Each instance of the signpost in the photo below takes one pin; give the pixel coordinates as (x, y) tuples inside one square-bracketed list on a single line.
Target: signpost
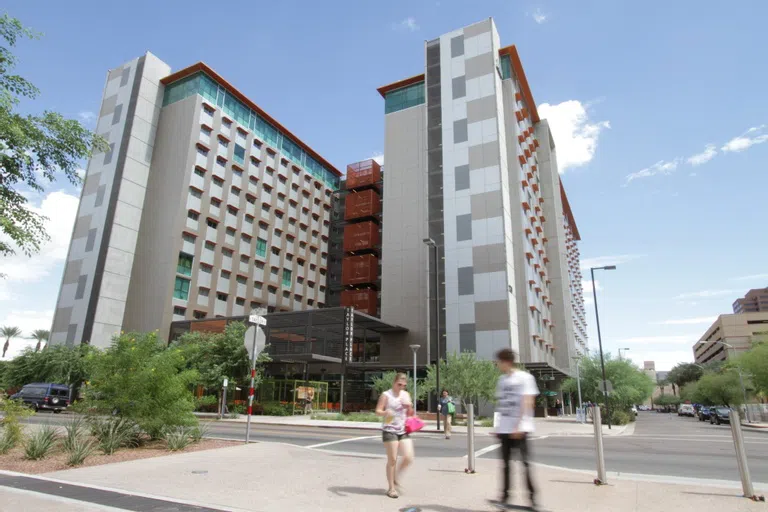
[(254, 342)]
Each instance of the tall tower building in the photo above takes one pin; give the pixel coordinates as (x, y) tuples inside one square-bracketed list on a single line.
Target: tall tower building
[(204, 206), (471, 166)]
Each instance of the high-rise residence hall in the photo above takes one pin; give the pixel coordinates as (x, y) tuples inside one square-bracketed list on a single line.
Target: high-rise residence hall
[(204, 206), (471, 166), (754, 301)]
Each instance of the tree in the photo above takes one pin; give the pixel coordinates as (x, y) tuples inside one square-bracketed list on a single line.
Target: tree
[(723, 388), (384, 382), (142, 380), (668, 400), (755, 363), (8, 332), (466, 377), (690, 392), (631, 385), (683, 373), (32, 149), (58, 364), (41, 335)]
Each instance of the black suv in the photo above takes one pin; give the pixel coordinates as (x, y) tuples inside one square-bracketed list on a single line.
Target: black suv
[(52, 397), (718, 415), (704, 412)]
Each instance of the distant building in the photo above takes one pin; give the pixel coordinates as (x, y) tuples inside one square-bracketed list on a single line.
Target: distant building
[(737, 331), (649, 367), (755, 300)]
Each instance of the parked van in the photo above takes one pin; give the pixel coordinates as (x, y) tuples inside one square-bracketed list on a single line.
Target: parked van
[(51, 397)]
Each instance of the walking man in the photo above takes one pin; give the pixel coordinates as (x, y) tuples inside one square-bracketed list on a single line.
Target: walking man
[(515, 400)]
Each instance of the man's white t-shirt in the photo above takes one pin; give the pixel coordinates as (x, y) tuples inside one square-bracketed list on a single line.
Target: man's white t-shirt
[(510, 392)]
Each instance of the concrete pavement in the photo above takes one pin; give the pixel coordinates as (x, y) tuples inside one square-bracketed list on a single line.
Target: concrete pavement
[(267, 477)]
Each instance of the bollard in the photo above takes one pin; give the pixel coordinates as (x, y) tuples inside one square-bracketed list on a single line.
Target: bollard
[(470, 439), (741, 457), (597, 421)]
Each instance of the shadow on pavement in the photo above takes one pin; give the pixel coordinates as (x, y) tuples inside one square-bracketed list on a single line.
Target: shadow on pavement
[(344, 491), (571, 482), (714, 494), (437, 508)]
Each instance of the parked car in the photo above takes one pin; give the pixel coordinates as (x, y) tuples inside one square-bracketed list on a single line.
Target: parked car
[(686, 410), (51, 397), (703, 413), (718, 415)]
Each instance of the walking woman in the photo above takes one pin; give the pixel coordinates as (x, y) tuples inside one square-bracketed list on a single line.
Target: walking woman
[(395, 406), (447, 408)]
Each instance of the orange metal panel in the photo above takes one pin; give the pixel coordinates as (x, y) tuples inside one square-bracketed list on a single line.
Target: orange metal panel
[(362, 204), (363, 173), (362, 300), (360, 236), (359, 269)]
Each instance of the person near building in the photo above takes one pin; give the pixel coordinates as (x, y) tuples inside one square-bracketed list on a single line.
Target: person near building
[(395, 405), (447, 408), (515, 401)]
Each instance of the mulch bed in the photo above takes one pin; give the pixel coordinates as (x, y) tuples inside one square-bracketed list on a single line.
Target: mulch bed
[(57, 460)]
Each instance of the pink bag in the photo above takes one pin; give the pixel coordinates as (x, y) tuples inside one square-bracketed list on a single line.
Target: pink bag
[(413, 424)]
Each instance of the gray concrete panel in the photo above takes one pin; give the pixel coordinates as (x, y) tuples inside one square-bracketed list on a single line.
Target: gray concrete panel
[(481, 65), (487, 205), (466, 279), (489, 258), (492, 315)]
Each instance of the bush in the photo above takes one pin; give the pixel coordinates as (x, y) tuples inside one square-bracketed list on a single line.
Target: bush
[(115, 433), (206, 403), (618, 417), (73, 432), (13, 411), (275, 409), (178, 438), (7, 443), (199, 432), (80, 449), (40, 443), (355, 416)]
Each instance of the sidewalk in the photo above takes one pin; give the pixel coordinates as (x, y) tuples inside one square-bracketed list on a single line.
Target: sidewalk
[(274, 477), (553, 426)]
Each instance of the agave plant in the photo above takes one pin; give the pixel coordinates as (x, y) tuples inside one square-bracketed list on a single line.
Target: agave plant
[(40, 443)]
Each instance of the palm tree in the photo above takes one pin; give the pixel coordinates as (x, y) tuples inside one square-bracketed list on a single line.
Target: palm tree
[(41, 335), (9, 332)]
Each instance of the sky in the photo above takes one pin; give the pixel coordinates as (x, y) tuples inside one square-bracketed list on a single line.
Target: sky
[(656, 113)]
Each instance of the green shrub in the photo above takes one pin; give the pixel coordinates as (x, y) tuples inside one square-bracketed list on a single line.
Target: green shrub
[(199, 432), (73, 432), (80, 449), (618, 417), (178, 438), (40, 443), (206, 403), (275, 409), (486, 422), (13, 411), (236, 409), (115, 433), (7, 442)]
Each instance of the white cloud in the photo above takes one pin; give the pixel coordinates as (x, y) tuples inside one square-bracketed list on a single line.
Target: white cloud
[(604, 261), (80, 174), (665, 359), (586, 285), (746, 140), (574, 134), (408, 24), (703, 157), (753, 277), (27, 321), (378, 157), (539, 16), (60, 209), (705, 294), (87, 116), (664, 340), (706, 320), (660, 167)]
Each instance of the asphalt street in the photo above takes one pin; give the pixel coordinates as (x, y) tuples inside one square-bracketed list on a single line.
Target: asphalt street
[(662, 444)]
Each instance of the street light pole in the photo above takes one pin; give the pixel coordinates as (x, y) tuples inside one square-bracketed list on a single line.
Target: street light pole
[(432, 244), (624, 349), (600, 340), (578, 378), (415, 349)]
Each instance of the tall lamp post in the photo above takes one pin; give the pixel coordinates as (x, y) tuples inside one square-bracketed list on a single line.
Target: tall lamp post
[(600, 340), (431, 243), (415, 349), (741, 379), (624, 349), (578, 377)]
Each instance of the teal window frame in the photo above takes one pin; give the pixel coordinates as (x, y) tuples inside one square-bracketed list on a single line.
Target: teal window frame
[(261, 247), (184, 265), (506, 67), (287, 275), (205, 86), (181, 288), (404, 97)]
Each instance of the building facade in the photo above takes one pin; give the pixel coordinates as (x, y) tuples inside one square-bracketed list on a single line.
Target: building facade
[(203, 207), (471, 166), (730, 335), (755, 300)]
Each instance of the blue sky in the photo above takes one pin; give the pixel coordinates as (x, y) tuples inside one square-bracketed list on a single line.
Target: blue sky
[(656, 114)]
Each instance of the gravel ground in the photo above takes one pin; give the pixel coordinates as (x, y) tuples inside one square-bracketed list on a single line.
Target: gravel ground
[(56, 461)]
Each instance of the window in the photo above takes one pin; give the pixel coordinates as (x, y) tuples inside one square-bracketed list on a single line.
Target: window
[(287, 277), (212, 223), (261, 247), (257, 285), (188, 237), (226, 122), (181, 289), (403, 98), (274, 270), (199, 172), (275, 251), (260, 265), (203, 292), (192, 214), (228, 253), (179, 311), (225, 274), (184, 265), (239, 154), (241, 279), (199, 315), (231, 231), (222, 296), (195, 193), (218, 181), (210, 245), (240, 301)]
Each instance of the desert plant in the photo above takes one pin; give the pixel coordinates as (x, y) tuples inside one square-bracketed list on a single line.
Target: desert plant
[(40, 443), (13, 411), (277, 409), (73, 432), (81, 449), (178, 438), (198, 432), (115, 433)]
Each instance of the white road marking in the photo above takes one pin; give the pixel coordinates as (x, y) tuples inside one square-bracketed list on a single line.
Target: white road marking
[(348, 440), (487, 449)]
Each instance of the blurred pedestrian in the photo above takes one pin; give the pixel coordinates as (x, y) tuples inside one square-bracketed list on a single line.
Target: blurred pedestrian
[(447, 408)]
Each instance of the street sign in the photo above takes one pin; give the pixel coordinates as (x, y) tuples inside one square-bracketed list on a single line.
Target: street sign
[(260, 339), (257, 320), (606, 387)]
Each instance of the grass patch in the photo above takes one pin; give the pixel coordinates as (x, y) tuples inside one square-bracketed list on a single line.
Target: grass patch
[(355, 416)]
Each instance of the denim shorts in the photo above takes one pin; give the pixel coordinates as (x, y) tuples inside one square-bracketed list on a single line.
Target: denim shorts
[(388, 437)]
